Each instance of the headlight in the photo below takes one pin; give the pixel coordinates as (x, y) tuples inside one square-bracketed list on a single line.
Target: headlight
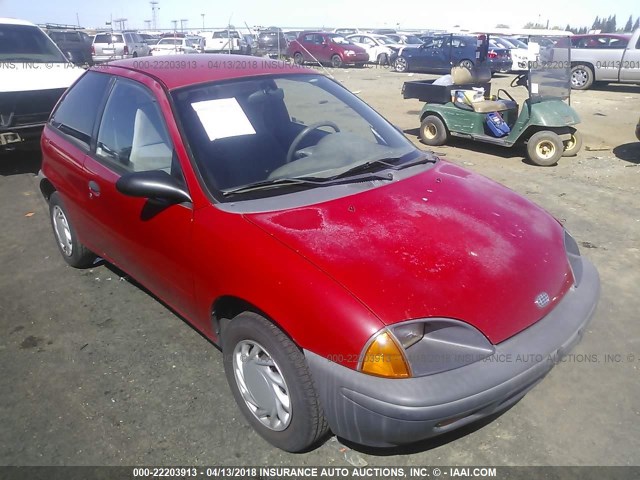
[(573, 256), (424, 347)]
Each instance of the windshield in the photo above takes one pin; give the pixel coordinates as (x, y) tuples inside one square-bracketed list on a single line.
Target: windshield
[(412, 40), (385, 40), (24, 43), (517, 43), (283, 127), (550, 73)]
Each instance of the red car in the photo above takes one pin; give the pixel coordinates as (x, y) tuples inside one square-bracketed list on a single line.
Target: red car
[(326, 48), (352, 281)]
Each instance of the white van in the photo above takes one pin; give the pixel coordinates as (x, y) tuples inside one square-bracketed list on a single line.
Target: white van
[(33, 75)]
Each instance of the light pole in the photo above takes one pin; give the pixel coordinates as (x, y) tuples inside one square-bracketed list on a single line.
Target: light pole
[(175, 25), (202, 15), (182, 22)]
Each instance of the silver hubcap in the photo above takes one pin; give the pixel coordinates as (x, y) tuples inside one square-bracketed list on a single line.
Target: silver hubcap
[(401, 64), (579, 78), (262, 385), (63, 233)]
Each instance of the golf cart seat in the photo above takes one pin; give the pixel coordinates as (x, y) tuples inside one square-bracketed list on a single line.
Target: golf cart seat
[(464, 76)]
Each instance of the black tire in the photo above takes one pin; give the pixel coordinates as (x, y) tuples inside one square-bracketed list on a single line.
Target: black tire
[(401, 65), (383, 59), (545, 148), (336, 61), (581, 77), (572, 146), (73, 252), (466, 63), (433, 131), (306, 424), (298, 59), (135, 54)]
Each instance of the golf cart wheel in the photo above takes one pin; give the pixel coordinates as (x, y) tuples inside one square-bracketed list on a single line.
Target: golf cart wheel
[(545, 148), (581, 77), (298, 59), (401, 65), (433, 131), (573, 145), (466, 64), (336, 61), (271, 383)]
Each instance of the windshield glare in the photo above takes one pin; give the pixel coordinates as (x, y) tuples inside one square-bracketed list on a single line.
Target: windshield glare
[(280, 127), (25, 43), (339, 39)]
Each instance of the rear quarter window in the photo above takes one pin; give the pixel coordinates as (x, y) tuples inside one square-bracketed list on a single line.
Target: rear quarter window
[(77, 112)]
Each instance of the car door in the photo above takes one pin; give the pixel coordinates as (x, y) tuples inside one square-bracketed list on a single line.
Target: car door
[(630, 65), (309, 47), (148, 239)]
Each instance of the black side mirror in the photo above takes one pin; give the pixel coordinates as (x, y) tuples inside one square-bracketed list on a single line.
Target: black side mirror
[(155, 184)]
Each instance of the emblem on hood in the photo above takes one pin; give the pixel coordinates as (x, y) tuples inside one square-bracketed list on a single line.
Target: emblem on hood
[(542, 300)]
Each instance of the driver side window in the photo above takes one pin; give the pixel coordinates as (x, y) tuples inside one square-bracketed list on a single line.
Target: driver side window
[(133, 136)]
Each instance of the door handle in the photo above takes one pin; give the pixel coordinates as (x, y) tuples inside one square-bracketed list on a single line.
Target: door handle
[(94, 189)]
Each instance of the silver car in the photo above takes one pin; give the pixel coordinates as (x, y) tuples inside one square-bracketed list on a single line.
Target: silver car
[(118, 45)]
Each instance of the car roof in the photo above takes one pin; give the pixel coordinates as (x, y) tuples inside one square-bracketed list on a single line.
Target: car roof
[(15, 21), (207, 68), (609, 35)]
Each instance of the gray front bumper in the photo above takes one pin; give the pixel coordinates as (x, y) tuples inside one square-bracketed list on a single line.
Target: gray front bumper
[(387, 412)]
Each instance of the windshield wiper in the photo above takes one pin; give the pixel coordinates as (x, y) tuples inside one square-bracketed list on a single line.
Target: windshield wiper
[(304, 181), (385, 162)]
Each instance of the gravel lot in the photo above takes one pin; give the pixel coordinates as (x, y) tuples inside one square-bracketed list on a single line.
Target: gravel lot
[(96, 371)]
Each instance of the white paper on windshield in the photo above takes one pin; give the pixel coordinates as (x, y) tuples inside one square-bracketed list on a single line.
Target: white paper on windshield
[(534, 48), (534, 88), (222, 118)]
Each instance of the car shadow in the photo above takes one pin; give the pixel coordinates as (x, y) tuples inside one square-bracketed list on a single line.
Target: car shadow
[(629, 152), (611, 87), (19, 162), (429, 443)]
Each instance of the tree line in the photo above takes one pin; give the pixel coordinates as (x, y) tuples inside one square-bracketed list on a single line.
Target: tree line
[(605, 25)]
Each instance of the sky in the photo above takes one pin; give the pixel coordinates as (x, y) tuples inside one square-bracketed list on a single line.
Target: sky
[(407, 14)]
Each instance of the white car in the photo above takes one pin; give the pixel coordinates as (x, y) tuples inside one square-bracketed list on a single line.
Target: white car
[(519, 54), (379, 47), (34, 74), (174, 46)]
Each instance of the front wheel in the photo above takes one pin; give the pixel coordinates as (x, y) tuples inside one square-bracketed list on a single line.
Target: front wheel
[(271, 383), (401, 65), (73, 252), (336, 61), (573, 145), (466, 64), (298, 59), (545, 148), (433, 131)]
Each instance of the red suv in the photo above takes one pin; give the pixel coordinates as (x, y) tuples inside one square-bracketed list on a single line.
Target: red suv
[(326, 48), (352, 281)]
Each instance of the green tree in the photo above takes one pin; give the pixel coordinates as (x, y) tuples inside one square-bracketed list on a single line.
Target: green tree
[(629, 25), (636, 25), (596, 24)]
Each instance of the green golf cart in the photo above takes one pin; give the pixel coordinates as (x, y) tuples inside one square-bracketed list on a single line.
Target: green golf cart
[(545, 122)]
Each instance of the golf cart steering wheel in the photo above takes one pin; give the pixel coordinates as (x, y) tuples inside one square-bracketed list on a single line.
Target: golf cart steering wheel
[(304, 133), (520, 80)]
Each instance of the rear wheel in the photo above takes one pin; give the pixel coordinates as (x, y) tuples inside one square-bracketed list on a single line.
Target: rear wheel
[(73, 252), (433, 131), (573, 145), (401, 65), (336, 61), (466, 64), (271, 383), (581, 77), (298, 58), (545, 148)]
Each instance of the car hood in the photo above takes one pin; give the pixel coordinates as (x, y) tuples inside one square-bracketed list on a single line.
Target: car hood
[(443, 243), (24, 77)]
